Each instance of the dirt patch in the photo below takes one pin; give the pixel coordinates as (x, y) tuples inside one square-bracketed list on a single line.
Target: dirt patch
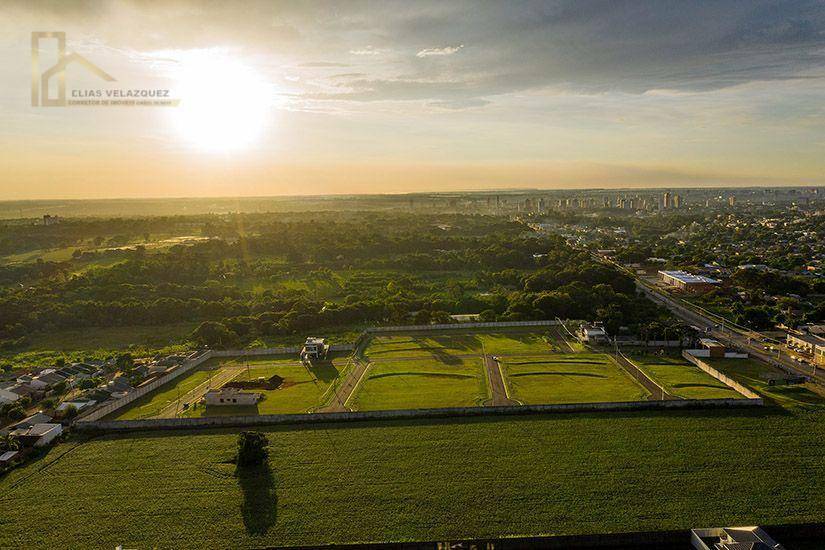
[(273, 383)]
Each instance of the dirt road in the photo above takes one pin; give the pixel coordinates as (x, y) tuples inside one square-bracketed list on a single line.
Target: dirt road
[(194, 395), (497, 387), (343, 392)]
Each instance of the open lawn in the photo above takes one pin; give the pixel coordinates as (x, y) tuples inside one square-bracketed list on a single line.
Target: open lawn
[(683, 379), (755, 374), (113, 338), (152, 404), (421, 384), (302, 389), (569, 378), (424, 480), (456, 342)]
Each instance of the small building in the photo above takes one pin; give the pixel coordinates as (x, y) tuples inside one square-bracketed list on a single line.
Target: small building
[(28, 422), (38, 435), (809, 342), (314, 348), (714, 347), (8, 396), (593, 334), (230, 396), (733, 538), (10, 458), (688, 282)]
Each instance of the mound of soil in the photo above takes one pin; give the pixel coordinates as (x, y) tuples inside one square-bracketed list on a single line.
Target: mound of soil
[(273, 383)]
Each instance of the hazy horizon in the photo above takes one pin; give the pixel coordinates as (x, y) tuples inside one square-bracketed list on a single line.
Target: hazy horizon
[(289, 99)]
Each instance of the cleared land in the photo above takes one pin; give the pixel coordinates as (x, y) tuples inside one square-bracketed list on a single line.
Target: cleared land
[(755, 375), (683, 379), (569, 378), (421, 384), (303, 388), (167, 396), (454, 342), (428, 480)]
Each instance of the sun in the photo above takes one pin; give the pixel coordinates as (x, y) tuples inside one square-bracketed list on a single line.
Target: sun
[(224, 104)]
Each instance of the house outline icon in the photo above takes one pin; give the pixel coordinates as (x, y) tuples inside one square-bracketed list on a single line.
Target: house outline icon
[(40, 83)]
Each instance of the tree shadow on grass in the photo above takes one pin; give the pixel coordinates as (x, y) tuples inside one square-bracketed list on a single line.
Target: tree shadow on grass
[(260, 499), (324, 371)]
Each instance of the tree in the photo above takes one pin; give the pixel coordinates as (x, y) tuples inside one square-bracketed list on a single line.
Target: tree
[(69, 412), (214, 335), (252, 449), (9, 443)]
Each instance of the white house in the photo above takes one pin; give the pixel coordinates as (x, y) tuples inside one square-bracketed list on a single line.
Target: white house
[(38, 435), (314, 348), (230, 396), (593, 334)]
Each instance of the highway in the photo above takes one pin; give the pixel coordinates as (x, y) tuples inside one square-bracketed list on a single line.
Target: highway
[(722, 330), (732, 336)]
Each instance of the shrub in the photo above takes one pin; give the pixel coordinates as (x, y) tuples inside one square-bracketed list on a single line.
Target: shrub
[(251, 449)]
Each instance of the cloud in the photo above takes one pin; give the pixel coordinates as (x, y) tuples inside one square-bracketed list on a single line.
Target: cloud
[(369, 50), (322, 65), (447, 50)]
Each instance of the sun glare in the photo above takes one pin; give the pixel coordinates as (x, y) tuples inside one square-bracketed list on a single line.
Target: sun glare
[(224, 103)]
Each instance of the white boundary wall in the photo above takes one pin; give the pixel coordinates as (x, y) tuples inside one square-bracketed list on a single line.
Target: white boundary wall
[(312, 418), (721, 377), (459, 326), (189, 365), (111, 406)]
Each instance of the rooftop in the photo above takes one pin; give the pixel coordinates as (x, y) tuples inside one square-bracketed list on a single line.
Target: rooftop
[(690, 278)]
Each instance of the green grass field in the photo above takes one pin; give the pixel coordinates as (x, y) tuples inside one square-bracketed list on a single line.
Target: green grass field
[(425, 480), (569, 378), (421, 384), (456, 342), (683, 379), (112, 338), (151, 405), (753, 374), (302, 390)]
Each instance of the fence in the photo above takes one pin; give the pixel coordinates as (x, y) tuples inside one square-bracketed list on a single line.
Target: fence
[(650, 343), (274, 351), (109, 408), (656, 390), (453, 412), (752, 396), (193, 361), (459, 326)]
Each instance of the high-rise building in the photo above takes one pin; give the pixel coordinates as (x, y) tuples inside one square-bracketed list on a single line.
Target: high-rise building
[(677, 201), (732, 200), (666, 200)]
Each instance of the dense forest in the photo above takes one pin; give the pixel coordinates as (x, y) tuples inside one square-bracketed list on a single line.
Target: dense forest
[(251, 275)]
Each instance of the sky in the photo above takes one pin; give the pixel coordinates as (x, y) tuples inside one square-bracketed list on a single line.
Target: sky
[(294, 98)]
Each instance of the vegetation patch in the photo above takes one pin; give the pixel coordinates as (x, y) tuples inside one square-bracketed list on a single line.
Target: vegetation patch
[(480, 477), (570, 378), (683, 379), (757, 375), (421, 384)]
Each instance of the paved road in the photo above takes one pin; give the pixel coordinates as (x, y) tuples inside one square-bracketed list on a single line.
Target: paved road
[(497, 387), (346, 388), (728, 335), (194, 395)]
